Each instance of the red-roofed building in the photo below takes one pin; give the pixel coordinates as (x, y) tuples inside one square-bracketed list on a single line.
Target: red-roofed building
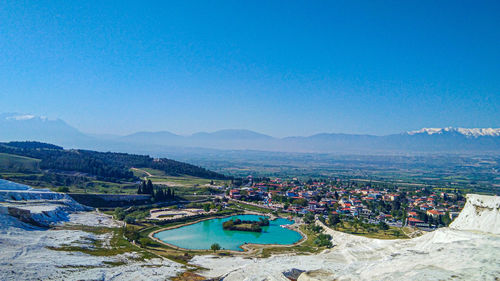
[(434, 213), (414, 221), (235, 194)]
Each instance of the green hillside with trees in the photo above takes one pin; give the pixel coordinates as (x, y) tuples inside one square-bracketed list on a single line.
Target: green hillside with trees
[(47, 165)]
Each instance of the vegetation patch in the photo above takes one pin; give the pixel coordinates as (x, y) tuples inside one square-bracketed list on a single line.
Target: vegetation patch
[(118, 243), (378, 231), (244, 225), (306, 247)]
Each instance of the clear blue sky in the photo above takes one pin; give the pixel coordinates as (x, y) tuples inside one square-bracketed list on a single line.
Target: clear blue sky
[(277, 67)]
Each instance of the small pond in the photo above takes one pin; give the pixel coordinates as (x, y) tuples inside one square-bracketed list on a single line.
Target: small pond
[(202, 235)]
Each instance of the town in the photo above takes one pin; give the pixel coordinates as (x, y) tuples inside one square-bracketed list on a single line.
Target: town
[(336, 200)]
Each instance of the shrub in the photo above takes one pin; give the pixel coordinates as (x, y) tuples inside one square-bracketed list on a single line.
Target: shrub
[(63, 189), (383, 226), (144, 241), (119, 214), (316, 228), (323, 240), (129, 219), (215, 247)]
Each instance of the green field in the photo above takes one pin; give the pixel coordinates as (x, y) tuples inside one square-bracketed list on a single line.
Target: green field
[(371, 231), (182, 185), (26, 171), (10, 162), (159, 177)]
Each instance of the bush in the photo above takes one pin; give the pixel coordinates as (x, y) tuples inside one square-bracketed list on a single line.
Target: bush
[(129, 219), (316, 228), (309, 218), (333, 220), (383, 226), (215, 247), (206, 207), (144, 241), (323, 240), (119, 214), (131, 234), (63, 189)]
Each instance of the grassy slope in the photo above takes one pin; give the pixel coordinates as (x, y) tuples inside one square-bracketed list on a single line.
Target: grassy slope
[(10, 161), (307, 247), (391, 233), (117, 244), (183, 185)]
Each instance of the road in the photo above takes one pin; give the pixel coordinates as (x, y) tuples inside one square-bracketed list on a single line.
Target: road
[(143, 171)]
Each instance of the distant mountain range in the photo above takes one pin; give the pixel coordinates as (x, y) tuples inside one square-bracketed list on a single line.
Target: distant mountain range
[(15, 126)]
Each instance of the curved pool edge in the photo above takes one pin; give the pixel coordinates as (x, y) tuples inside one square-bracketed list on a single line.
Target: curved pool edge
[(243, 246)]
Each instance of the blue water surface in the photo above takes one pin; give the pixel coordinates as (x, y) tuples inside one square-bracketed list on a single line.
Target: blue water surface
[(202, 235)]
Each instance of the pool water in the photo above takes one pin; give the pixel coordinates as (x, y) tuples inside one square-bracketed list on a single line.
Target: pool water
[(202, 235)]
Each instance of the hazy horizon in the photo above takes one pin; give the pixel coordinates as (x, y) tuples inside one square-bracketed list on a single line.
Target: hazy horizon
[(28, 116)]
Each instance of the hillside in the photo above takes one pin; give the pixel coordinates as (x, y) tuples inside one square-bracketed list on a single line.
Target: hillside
[(108, 166), (9, 162)]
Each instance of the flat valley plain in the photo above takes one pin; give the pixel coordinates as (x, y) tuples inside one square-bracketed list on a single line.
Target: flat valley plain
[(468, 172)]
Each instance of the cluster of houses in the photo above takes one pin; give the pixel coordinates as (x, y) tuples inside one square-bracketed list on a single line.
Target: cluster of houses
[(339, 199)]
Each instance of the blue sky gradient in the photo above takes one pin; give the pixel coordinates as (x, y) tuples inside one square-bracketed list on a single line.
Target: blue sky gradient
[(280, 68)]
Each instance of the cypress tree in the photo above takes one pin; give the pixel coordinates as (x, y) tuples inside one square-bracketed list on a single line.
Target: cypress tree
[(150, 188), (156, 194), (162, 194)]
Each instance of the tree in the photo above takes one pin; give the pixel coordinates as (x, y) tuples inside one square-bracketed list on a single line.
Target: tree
[(316, 228), (309, 218), (383, 226), (206, 207), (144, 241), (445, 220), (431, 221), (323, 240), (63, 189), (333, 220), (301, 201), (215, 247), (149, 187), (119, 214), (129, 219), (131, 234)]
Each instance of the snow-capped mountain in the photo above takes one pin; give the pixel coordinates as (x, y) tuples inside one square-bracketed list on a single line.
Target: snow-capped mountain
[(20, 127), (469, 132), (17, 126)]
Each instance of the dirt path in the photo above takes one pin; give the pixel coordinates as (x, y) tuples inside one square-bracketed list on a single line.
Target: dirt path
[(143, 171)]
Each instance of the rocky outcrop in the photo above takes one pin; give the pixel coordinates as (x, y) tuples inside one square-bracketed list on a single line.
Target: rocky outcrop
[(22, 215), (110, 200), (316, 275), (38, 207), (480, 213)]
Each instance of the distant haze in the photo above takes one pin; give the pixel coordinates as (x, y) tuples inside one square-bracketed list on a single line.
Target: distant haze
[(429, 140)]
